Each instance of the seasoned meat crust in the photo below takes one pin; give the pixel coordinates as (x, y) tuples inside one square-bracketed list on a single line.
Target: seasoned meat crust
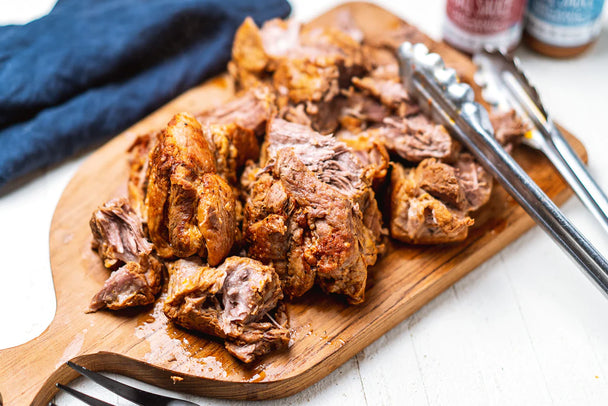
[(429, 203), (137, 184), (119, 240), (417, 138), (508, 127), (307, 68), (249, 110), (191, 209), (286, 173), (312, 213), (419, 218), (231, 302), (370, 151)]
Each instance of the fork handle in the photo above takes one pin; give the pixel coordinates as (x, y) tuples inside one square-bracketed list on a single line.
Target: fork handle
[(573, 170)]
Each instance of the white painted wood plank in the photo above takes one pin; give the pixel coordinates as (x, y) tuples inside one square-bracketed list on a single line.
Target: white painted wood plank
[(390, 369), (499, 338), (549, 298), (442, 345)]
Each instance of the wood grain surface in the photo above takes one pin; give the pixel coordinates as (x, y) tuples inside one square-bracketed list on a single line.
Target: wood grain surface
[(326, 331)]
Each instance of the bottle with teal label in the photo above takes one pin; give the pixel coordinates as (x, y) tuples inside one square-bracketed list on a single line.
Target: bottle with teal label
[(563, 28)]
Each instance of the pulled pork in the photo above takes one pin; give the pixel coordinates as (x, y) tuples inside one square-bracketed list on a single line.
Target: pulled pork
[(312, 213), (238, 301), (286, 173), (118, 238), (429, 203)]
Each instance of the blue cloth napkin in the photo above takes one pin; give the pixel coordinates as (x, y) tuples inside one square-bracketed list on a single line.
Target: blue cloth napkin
[(91, 68)]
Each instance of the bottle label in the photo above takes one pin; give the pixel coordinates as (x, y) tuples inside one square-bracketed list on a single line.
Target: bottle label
[(473, 24), (471, 43), (566, 23)]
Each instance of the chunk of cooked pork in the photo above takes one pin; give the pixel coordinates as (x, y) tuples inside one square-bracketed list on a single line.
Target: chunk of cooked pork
[(417, 217), (370, 152), (360, 111), (416, 138), (118, 235), (312, 213), (249, 110), (476, 181), (508, 127), (191, 209), (307, 67), (137, 184), (390, 92), (234, 301), (119, 239)]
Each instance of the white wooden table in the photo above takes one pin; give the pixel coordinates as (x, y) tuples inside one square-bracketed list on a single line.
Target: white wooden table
[(524, 328)]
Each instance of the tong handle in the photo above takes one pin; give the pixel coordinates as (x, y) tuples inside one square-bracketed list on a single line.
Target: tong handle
[(466, 126), (575, 173), (553, 144), (538, 205)]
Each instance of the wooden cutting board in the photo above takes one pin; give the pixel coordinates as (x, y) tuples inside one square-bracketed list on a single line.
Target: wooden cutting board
[(326, 331)]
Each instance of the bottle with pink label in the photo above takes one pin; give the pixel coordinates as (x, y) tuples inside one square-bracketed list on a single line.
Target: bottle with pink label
[(471, 25)]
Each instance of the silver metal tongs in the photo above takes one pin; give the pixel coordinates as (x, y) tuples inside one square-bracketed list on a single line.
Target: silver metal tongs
[(452, 104), (505, 86)]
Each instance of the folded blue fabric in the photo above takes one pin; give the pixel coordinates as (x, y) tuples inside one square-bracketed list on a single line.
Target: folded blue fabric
[(91, 68)]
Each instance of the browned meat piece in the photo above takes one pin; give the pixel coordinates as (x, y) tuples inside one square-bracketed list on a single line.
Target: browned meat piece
[(312, 213), (508, 127), (331, 161), (137, 184), (361, 110), (230, 302), (416, 138), (250, 110), (307, 68), (323, 117), (192, 295), (442, 182), (118, 234), (338, 246), (191, 209), (305, 80), (370, 152), (476, 182), (248, 51), (314, 73), (119, 239), (419, 218), (231, 132), (260, 338), (255, 51), (392, 39), (390, 92), (126, 287), (232, 146)]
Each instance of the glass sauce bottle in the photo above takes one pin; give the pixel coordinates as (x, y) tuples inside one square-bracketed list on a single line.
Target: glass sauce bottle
[(563, 28), (471, 25)]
